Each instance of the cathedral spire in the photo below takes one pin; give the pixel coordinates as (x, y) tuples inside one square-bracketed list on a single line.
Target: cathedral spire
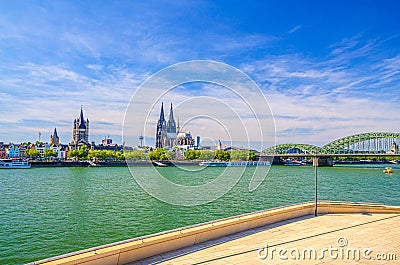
[(162, 112), (171, 114), (161, 129), (171, 125)]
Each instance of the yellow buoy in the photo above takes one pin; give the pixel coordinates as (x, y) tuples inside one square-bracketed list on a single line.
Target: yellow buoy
[(388, 170)]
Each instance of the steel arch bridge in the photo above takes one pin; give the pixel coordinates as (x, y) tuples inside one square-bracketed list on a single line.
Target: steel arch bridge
[(292, 148), (364, 143)]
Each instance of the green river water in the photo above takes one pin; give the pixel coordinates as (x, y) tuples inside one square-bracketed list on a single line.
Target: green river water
[(51, 211)]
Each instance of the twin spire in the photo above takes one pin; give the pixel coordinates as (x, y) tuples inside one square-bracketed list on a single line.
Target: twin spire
[(166, 131), (171, 124)]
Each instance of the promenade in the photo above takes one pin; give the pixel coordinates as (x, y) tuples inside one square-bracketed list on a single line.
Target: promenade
[(336, 239)]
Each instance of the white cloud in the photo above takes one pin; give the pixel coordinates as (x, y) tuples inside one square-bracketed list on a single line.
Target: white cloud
[(333, 97), (96, 67), (296, 28)]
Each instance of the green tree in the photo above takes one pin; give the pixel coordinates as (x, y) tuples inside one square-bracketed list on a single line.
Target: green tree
[(222, 155), (206, 155), (104, 154), (108, 154), (32, 152), (83, 152), (48, 152), (168, 156), (161, 154), (156, 154), (73, 154), (96, 154), (243, 155), (192, 154), (135, 155), (252, 156), (80, 154), (119, 155)]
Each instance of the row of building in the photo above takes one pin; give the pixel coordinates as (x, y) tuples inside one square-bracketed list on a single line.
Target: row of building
[(80, 137), (168, 135)]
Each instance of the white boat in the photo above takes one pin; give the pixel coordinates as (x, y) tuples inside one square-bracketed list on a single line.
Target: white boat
[(213, 164), (235, 164), (248, 163), (294, 163), (10, 163), (159, 164), (92, 164)]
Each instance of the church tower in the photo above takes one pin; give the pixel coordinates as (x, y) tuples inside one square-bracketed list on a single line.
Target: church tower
[(54, 139), (80, 133)]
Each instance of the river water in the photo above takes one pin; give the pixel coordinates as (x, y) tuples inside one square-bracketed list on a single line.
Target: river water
[(51, 211)]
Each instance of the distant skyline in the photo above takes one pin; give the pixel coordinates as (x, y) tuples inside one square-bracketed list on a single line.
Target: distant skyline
[(327, 69)]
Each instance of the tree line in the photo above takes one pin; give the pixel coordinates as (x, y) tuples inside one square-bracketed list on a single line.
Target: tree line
[(48, 152), (162, 154), (83, 153)]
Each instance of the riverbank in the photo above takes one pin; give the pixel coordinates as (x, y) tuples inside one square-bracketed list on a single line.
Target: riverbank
[(39, 164), (166, 163), (72, 164)]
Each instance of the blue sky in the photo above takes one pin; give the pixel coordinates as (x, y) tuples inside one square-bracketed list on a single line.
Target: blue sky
[(327, 69)]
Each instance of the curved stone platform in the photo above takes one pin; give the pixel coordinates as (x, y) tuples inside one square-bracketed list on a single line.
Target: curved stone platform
[(242, 239)]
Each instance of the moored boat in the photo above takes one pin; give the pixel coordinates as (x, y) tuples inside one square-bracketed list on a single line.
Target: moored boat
[(235, 164), (159, 164), (14, 163), (93, 164), (213, 164), (294, 163), (248, 163)]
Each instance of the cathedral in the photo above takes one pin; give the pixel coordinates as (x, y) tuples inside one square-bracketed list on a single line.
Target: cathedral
[(166, 131), (80, 133)]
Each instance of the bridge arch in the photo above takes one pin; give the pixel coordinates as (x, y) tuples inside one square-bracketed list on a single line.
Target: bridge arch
[(292, 148), (373, 142)]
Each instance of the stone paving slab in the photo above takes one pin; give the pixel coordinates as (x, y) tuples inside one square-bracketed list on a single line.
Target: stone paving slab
[(325, 239)]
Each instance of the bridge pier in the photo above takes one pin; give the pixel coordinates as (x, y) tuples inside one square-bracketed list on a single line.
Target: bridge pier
[(323, 161)]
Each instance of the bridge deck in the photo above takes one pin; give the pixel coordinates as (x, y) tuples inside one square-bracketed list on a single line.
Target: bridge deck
[(379, 232)]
